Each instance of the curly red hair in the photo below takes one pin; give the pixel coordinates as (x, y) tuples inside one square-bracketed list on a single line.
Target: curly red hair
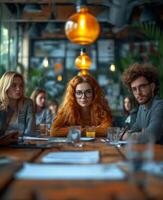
[(69, 112)]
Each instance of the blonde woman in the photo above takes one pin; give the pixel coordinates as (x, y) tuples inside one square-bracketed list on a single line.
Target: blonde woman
[(84, 104), (16, 111)]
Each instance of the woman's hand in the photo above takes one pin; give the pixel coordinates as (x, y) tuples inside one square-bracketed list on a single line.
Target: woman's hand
[(9, 138)]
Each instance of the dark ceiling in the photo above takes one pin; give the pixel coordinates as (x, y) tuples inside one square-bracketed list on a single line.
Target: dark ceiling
[(46, 18)]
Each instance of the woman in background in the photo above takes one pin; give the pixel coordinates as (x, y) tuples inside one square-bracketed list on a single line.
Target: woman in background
[(42, 113), (16, 110), (53, 107), (84, 104), (130, 108)]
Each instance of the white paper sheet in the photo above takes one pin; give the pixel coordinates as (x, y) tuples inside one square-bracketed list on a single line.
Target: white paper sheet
[(83, 157), (87, 139), (123, 142), (57, 139), (54, 139), (70, 172), (64, 139), (35, 138), (155, 168)]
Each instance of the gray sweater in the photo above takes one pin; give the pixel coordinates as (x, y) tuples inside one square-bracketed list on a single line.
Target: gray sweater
[(149, 121)]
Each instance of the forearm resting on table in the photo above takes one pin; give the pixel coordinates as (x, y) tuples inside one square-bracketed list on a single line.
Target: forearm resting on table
[(62, 132), (126, 136), (101, 132), (59, 132)]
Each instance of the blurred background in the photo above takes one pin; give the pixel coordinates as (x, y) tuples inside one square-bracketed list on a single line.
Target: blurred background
[(33, 42)]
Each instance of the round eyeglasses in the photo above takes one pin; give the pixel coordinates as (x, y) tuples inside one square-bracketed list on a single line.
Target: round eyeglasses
[(140, 88), (87, 93)]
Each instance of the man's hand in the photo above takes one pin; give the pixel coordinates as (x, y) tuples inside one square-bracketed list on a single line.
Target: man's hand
[(128, 134), (125, 136)]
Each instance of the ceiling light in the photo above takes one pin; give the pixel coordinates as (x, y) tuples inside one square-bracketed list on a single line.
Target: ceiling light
[(83, 62), (82, 27)]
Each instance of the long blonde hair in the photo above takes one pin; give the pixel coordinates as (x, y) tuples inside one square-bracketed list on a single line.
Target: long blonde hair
[(5, 82)]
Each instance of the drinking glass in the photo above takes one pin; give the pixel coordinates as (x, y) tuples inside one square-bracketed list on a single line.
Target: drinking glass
[(138, 156), (74, 135), (44, 129), (113, 134), (90, 131)]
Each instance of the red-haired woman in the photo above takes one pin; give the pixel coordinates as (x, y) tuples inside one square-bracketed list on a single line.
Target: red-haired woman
[(84, 104)]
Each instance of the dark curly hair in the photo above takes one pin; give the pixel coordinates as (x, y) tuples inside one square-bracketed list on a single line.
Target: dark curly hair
[(136, 70)]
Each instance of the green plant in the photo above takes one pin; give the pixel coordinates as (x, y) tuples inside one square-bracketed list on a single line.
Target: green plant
[(36, 78), (44, 78), (153, 33), (2, 70)]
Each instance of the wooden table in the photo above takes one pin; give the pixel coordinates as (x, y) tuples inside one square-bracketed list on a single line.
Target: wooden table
[(11, 188)]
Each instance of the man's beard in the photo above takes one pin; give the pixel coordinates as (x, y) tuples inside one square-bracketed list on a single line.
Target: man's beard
[(146, 99)]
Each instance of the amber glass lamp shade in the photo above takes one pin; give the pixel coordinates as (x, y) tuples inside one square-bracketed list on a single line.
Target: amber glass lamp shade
[(82, 27), (83, 62)]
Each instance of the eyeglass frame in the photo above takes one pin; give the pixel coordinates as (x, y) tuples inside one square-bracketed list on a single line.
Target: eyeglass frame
[(86, 93), (140, 88)]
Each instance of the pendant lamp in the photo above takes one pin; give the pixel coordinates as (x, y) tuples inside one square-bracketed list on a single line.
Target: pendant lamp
[(82, 27), (83, 62)]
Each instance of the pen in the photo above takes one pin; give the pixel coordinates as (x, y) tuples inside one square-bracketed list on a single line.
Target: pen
[(124, 131)]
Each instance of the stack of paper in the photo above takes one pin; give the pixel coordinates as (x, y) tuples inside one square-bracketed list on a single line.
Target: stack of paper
[(57, 139), (83, 157), (70, 172), (155, 168)]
